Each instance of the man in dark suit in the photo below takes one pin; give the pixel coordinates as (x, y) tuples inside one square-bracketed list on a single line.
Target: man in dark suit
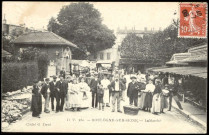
[(117, 87), (62, 73), (52, 91), (45, 91), (132, 91), (61, 92), (93, 86)]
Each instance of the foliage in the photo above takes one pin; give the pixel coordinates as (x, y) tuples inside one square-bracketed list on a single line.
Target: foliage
[(34, 54), (6, 40), (29, 54), (81, 24), (17, 75), (158, 47), (53, 25), (132, 46), (43, 62)]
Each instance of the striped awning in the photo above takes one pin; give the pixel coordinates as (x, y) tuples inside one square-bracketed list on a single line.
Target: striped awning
[(194, 71)]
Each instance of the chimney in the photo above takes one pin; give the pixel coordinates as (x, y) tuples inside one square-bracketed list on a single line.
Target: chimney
[(145, 28), (4, 20)]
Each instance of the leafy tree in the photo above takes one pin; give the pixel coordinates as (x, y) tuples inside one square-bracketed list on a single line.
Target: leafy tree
[(159, 47), (81, 24), (53, 25), (29, 54), (43, 62), (132, 47)]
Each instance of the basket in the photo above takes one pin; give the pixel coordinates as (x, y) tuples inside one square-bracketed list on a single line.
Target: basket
[(131, 110)]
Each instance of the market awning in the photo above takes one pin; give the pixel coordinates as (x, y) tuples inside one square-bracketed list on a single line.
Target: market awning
[(194, 71), (200, 58), (175, 62)]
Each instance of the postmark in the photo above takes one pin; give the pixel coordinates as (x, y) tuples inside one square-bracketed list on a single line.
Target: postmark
[(193, 20)]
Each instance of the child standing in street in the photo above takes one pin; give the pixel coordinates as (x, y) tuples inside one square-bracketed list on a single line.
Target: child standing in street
[(100, 94)]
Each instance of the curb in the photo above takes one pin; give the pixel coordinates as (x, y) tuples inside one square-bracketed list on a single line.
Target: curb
[(189, 116)]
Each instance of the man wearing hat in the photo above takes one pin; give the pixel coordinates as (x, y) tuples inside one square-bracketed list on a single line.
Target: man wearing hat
[(93, 85), (116, 86), (132, 91), (62, 73), (61, 93), (52, 85), (45, 91)]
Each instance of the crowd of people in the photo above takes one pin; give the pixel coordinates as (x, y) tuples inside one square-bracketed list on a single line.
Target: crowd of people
[(148, 92)]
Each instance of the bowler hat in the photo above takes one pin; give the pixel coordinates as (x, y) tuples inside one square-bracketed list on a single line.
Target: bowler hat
[(166, 85), (47, 79), (133, 77), (54, 77)]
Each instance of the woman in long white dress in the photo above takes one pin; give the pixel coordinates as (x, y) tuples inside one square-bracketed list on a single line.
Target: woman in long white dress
[(74, 99), (105, 83), (67, 103), (84, 94), (156, 101), (146, 97)]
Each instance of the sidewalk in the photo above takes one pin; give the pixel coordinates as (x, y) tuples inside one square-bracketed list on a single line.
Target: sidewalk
[(197, 115)]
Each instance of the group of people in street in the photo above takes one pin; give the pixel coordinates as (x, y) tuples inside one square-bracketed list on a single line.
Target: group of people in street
[(150, 93), (154, 92)]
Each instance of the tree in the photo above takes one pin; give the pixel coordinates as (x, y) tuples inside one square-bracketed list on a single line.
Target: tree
[(43, 62), (164, 44), (81, 24), (53, 25), (29, 54), (132, 47)]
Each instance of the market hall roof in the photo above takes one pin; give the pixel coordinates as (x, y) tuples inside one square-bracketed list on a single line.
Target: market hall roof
[(46, 38), (194, 71)]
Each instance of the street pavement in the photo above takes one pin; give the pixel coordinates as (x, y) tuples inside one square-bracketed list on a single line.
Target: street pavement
[(94, 120)]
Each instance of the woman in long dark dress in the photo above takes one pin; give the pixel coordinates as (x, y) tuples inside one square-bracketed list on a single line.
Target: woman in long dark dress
[(36, 106)]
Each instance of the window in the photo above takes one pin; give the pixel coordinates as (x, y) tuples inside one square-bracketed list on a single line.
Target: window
[(101, 56), (108, 56)]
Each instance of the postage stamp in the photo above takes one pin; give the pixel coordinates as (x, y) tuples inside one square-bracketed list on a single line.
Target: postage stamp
[(193, 20)]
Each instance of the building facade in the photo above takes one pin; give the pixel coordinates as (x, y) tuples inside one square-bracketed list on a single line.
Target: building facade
[(57, 49)]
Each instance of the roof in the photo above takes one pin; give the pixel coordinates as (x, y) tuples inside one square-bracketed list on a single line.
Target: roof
[(200, 58), (6, 54), (194, 71), (180, 56), (176, 62), (46, 38), (198, 48)]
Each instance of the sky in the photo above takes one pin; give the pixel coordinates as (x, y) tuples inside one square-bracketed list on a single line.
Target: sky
[(114, 14)]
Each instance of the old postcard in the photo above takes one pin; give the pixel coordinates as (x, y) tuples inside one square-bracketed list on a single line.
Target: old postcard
[(104, 67)]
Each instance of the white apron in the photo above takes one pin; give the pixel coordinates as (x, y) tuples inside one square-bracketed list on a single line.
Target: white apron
[(105, 83)]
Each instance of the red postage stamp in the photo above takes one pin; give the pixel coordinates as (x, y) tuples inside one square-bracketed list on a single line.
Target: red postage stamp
[(193, 20)]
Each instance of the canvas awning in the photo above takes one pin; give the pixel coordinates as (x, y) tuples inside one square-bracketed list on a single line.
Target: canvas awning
[(200, 58), (194, 71), (175, 62)]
